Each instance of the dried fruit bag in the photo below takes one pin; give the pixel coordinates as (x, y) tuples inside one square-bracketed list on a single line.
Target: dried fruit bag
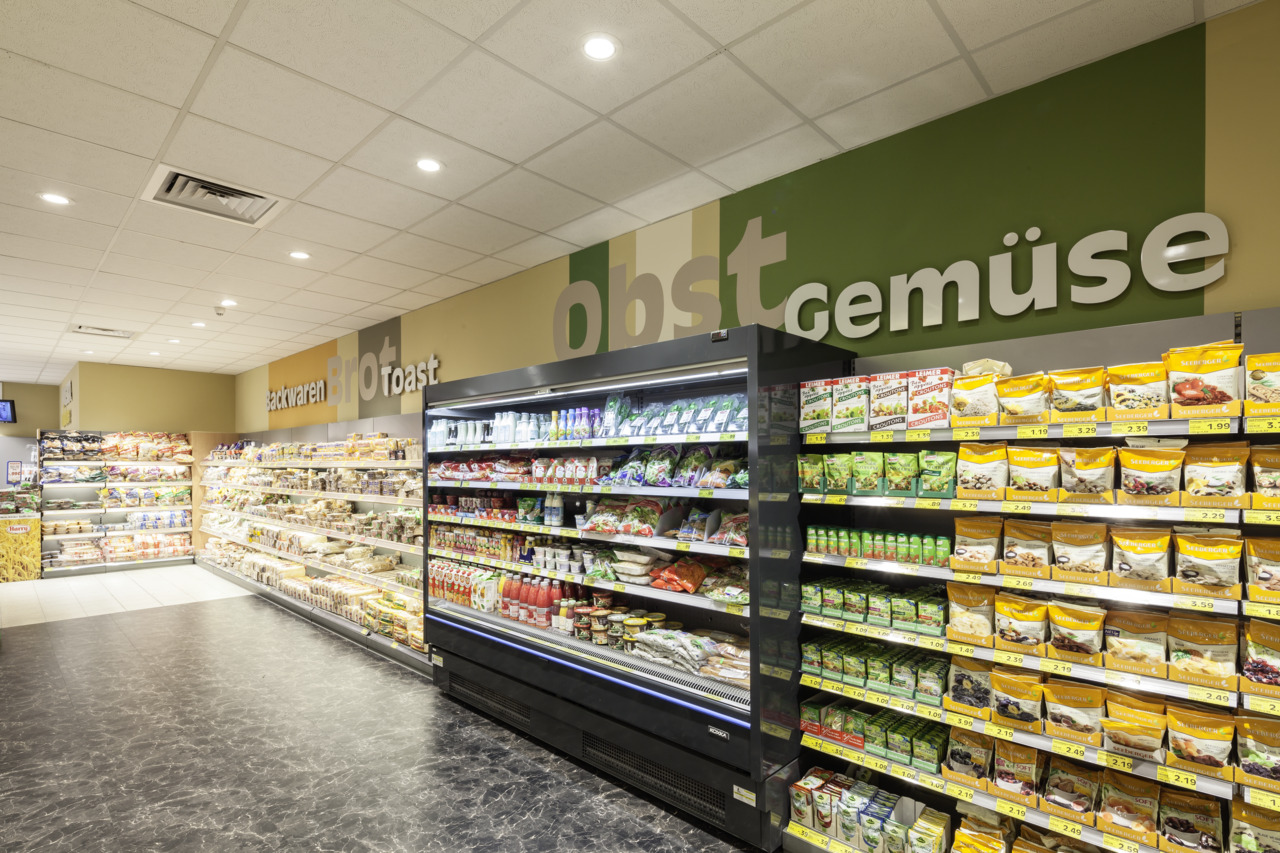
[(982, 467), (1190, 821), (1027, 543), (1200, 741), (1262, 665), (1087, 470), (1216, 470), (1078, 390), (1140, 553), (1138, 386), (1204, 376), (1033, 469), (1150, 471), (1201, 648), (1209, 561), (1024, 396)]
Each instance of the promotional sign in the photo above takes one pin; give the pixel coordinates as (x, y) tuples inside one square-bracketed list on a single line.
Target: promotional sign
[(20, 549)]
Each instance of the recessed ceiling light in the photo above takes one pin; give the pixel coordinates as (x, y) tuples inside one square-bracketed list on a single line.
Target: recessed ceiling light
[(155, 353), (302, 256), (600, 47), (228, 303), (198, 325), (429, 165), (54, 198), (88, 352), (174, 341)]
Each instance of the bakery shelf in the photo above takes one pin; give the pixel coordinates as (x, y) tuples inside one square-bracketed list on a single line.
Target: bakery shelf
[(332, 534), (1104, 429), (1226, 607), (645, 491), (116, 484), (96, 568), (573, 444), (1056, 510), (399, 464), (98, 534), (354, 497), (48, 462)]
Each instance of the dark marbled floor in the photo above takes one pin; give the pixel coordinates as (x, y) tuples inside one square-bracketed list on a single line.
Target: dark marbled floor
[(232, 725)]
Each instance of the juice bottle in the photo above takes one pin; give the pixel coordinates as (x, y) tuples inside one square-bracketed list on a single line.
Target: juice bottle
[(557, 595), (554, 434), (528, 602), (542, 606), (513, 606)]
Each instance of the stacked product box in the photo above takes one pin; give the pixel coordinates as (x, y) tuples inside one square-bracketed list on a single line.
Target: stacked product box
[(865, 817), (929, 398), (815, 405), (889, 394)]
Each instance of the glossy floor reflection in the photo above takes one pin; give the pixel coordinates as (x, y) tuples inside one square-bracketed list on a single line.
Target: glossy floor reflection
[(231, 725)]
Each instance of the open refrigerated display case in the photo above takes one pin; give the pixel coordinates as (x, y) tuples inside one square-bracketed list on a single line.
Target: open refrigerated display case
[(689, 468)]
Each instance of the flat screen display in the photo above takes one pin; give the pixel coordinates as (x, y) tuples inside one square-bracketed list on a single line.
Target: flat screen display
[(7, 413)]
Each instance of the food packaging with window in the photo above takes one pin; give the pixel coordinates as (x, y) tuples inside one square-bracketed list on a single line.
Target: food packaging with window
[(1215, 474), (1075, 633), (1017, 772), (1137, 392), (1033, 474), (1129, 806), (1207, 566), (1258, 750), (929, 397), (1150, 476), (1140, 558), (1262, 384), (982, 471), (977, 547), (1021, 624), (1080, 552), (851, 399), (969, 757), (1265, 460), (889, 401), (1018, 700), (1262, 560), (1200, 741), (1087, 475), (974, 401), (1204, 380), (815, 405), (971, 614), (1070, 791), (1079, 395), (1189, 822), (1136, 642), (1203, 651), (1260, 672), (969, 687), (1253, 829), (1074, 711), (1024, 399)]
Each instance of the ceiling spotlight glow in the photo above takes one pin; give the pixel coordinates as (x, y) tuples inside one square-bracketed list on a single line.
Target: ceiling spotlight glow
[(600, 47), (302, 256), (54, 198), (229, 303), (429, 165), (155, 353), (174, 341), (88, 352), (198, 325)]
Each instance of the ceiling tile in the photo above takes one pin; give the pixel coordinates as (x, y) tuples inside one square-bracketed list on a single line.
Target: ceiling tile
[(604, 224), (236, 286), (23, 189), (42, 318), (34, 249), (329, 228), (127, 286), (728, 21), (276, 247), (487, 270), (357, 194), (309, 340), (430, 255), (395, 151), (207, 15), (121, 317), (484, 102), (891, 40), (1084, 35), (711, 111), (536, 251), (349, 322), (110, 41), (65, 158), (262, 98), (41, 95), (410, 301), (290, 274), (784, 153), (204, 298), (154, 270), (296, 312), (326, 301), (139, 245), (94, 301), (378, 271), (605, 162), (920, 99), (279, 324), (28, 284), (54, 226), (35, 300), (336, 285), (530, 200), (232, 156), (165, 220), (43, 271), (982, 23), (675, 196), (468, 18), (378, 313), (375, 49), (471, 229), (545, 39)]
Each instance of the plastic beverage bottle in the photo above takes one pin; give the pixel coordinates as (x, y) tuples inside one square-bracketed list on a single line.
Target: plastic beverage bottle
[(528, 594), (554, 433), (555, 597), (542, 611), (509, 599), (571, 416)]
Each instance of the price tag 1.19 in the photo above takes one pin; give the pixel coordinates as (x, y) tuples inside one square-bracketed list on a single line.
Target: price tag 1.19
[(1033, 431)]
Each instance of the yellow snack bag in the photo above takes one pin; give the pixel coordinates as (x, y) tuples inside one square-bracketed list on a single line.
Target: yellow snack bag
[(1205, 379), (977, 541), (1265, 460), (1086, 474), (973, 400), (1215, 474), (1134, 740), (1140, 558), (1024, 399), (1148, 711), (969, 687), (1201, 741), (1021, 624), (1129, 806), (1075, 633), (1260, 672), (1262, 561), (1074, 711), (1258, 747), (1207, 565), (1254, 828), (1150, 475), (982, 470), (1080, 552), (1028, 548), (1079, 394), (1136, 641), (1018, 702), (1203, 651), (972, 613), (1033, 473), (1262, 384), (1138, 391)]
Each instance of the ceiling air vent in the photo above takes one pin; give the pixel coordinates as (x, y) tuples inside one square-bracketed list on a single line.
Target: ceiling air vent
[(170, 186), (101, 332)]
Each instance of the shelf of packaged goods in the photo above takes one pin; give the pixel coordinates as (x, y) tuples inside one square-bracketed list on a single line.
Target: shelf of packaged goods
[(68, 571), (573, 443), (321, 531), (643, 491), (354, 497), (1083, 672), (59, 513), (936, 783), (98, 534), (1059, 510), (522, 527), (724, 696), (318, 565), (19, 516), (1103, 429), (680, 598), (1061, 746), (666, 544), (1177, 602), (123, 463), (164, 484), (399, 464), (62, 513), (1260, 704)]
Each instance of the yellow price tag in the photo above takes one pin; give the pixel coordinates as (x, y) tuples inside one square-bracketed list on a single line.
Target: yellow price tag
[(1012, 582), (729, 436), (1262, 425), (853, 692), (1072, 510), (855, 757), (878, 699), (965, 434), (837, 500), (1262, 705), (903, 705), (810, 741), (1079, 430), (1066, 827), (808, 679), (1181, 778), (706, 493), (1262, 798), (1206, 694), (964, 505), (893, 502), (815, 438), (839, 847), (855, 563), (394, 644), (919, 434), (1258, 516), (1119, 762), (1210, 426), (935, 643), (960, 721), (934, 782), (1129, 428), (1010, 658), (1002, 732), (878, 764), (960, 792), (968, 577), (928, 503), (1067, 748), (1200, 514), (617, 587), (804, 833), (734, 609), (903, 772), (1191, 602), (682, 546), (1120, 845), (1033, 431), (1017, 811), (1015, 506), (929, 712), (737, 552), (961, 649), (881, 435), (1055, 667), (1080, 589)]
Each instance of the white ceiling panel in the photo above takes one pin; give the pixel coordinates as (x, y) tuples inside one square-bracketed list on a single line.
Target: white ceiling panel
[(232, 156), (349, 322), (920, 99), (545, 39), (206, 299), (44, 271), (410, 301), (153, 270), (11, 284), (295, 312), (495, 108), (65, 158), (537, 250), (530, 200), (163, 220), (120, 316), (677, 195), (93, 300), (126, 286), (378, 271), (292, 274), (57, 100), (445, 286), (1089, 33), (237, 287), (139, 245), (395, 151), (890, 39), (375, 49), (604, 224), (329, 228), (487, 269), (52, 226), (606, 162), (712, 111), (340, 304), (262, 98), (982, 23), (471, 229), (377, 313), (354, 193), (336, 285), (35, 249), (207, 15), (277, 323), (784, 153), (468, 18), (270, 246), (23, 189), (430, 255), (726, 22)]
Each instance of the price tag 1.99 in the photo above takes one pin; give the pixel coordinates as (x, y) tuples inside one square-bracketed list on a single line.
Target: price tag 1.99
[(1210, 426)]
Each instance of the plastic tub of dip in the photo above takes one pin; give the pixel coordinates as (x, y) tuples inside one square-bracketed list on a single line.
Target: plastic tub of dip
[(634, 625), (600, 618), (601, 599), (656, 620), (600, 635)]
